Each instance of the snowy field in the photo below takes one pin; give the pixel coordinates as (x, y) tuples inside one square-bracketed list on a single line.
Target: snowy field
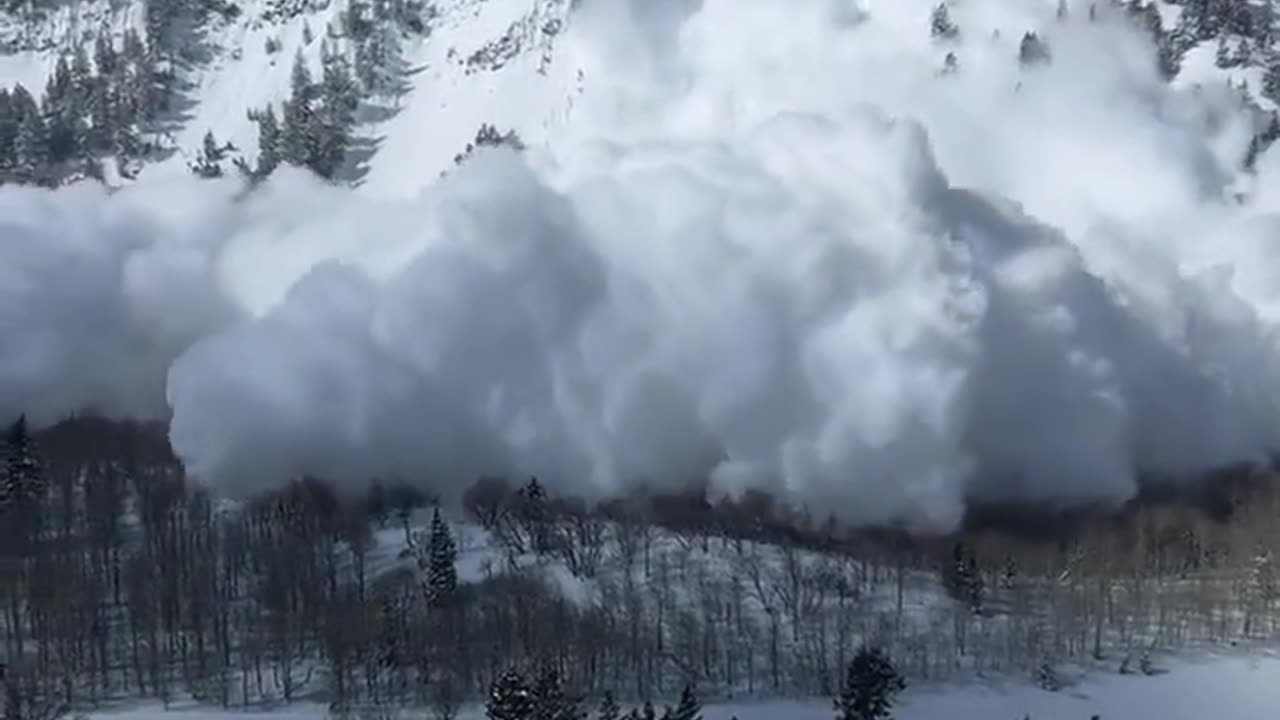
[(1230, 688)]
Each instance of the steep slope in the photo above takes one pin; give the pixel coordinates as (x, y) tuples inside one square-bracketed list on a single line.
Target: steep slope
[(458, 64)]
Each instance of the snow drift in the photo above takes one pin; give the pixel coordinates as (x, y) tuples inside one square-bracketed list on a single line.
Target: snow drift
[(773, 245)]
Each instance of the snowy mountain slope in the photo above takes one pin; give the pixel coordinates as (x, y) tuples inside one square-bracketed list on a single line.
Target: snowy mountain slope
[(517, 65)]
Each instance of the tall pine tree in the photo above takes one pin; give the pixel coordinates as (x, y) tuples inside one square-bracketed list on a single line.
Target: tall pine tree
[(299, 133), (870, 685), (24, 489), (442, 571), (689, 707), (609, 709)]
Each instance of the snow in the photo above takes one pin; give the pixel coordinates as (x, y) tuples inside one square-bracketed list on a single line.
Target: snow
[(1228, 687), (1026, 269), (677, 278)]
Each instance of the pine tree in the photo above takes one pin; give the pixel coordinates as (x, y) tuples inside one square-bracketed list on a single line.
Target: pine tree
[(125, 116), (609, 709), (340, 97), (509, 698), (1222, 57), (158, 16), (689, 707), (533, 509), (269, 139), (1047, 677), (1271, 80), (8, 130), (1032, 50), (379, 61), (870, 686), (299, 132), (442, 571), (549, 699), (940, 24), (1168, 56), (648, 712), (24, 489), (208, 160), (1271, 132), (30, 143), (950, 64), (1062, 10)]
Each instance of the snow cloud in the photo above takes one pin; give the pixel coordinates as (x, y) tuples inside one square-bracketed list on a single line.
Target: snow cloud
[(772, 246)]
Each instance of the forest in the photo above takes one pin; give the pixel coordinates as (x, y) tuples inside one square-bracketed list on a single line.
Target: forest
[(122, 578)]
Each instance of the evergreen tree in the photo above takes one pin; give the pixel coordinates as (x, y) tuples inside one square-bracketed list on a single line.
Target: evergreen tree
[(63, 114), (689, 707), (104, 56), (30, 143), (208, 160), (144, 89), (1251, 153), (940, 23), (609, 709), (1033, 50), (125, 116), (300, 140), (1271, 132), (870, 686), (1062, 10), (1222, 56), (379, 61), (1047, 677), (1168, 56), (534, 513), (159, 15), (442, 571), (340, 97), (509, 698), (1271, 80), (648, 712), (101, 113), (24, 489), (269, 139), (950, 64), (549, 699), (8, 130)]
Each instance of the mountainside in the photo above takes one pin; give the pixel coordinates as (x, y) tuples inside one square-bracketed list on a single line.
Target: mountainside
[(429, 75), (735, 341)]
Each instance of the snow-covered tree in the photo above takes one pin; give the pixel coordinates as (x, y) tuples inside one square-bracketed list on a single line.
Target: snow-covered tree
[(8, 130), (268, 141), (1033, 50), (24, 487), (550, 701), (30, 143), (870, 686), (509, 698), (940, 24), (442, 559), (300, 127), (208, 162), (1047, 677)]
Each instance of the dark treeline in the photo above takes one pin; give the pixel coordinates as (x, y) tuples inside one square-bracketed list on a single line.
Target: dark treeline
[(120, 578)]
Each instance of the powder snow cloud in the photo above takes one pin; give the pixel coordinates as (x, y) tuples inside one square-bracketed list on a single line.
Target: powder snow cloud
[(773, 247)]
